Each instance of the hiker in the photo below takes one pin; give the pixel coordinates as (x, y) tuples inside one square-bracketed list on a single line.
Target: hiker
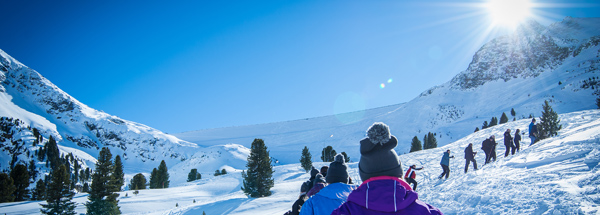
[(493, 145), (486, 146), (508, 143), (297, 206), (311, 181), (445, 164), (470, 157), (533, 131), (334, 194), (382, 190), (411, 175), (319, 183), (324, 171), (517, 141)]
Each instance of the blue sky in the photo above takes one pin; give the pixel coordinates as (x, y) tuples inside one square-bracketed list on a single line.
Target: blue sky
[(189, 65)]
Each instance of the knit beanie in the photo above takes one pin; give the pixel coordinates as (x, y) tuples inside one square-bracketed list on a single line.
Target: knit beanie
[(338, 171), (324, 170), (313, 172), (319, 179), (304, 187), (377, 154)]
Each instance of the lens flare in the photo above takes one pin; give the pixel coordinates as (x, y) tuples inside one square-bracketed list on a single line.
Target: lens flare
[(390, 80), (382, 85)]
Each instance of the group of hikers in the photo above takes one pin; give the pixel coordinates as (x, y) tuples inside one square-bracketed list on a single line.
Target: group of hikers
[(382, 189), (330, 190)]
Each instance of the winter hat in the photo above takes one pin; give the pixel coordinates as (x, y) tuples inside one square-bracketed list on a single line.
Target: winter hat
[(338, 170), (377, 154), (324, 170), (319, 179), (379, 133), (313, 172), (304, 188)]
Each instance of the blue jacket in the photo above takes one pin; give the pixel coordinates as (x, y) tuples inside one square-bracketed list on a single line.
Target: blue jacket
[(327, 200), (532, 129), (446, 159)]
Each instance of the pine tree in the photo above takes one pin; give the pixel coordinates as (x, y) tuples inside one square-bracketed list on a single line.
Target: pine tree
[(306, 159), (328, 154), (163, 175), (513, 113), (39, 192), (119, 176), (415, 145), (493, 122), (476, 129), (102, 199), (52, 153), (138, 182), (32, 170), (346, 157), (503, 118), (59, 196), (432, 141), (154, 179), (258, 179), (6, 188), (20, 177), (193, 175), (485, 125), (598, 102), (549, 122), (223, 172)]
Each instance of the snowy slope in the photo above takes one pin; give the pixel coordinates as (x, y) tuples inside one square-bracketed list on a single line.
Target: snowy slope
[(520, 71), (28, 96), (558, 175)]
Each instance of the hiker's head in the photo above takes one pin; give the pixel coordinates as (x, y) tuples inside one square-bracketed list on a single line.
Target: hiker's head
[(377, 154)]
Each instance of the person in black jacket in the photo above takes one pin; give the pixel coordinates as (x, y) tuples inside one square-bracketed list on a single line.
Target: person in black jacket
[(517, 141), (486, 146), (508, 143), (470, 157), (493, 146)]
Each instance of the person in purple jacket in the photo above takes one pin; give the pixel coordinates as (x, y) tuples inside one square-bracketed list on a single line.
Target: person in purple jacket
[(382, 191)]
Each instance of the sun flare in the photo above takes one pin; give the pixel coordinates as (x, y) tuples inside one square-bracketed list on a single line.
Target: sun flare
[(509, 13)]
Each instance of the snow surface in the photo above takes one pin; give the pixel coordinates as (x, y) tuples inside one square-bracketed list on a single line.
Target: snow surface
[(555, 176), (559, 175)]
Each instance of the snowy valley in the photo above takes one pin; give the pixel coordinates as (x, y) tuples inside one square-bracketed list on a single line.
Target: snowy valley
[(560, 175)]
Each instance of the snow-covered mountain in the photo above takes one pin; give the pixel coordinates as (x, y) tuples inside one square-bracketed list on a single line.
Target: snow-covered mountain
[(27, 96), (558, 63), (558, 175)]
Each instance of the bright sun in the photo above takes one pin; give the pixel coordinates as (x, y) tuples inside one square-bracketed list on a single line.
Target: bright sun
[(509, 13)]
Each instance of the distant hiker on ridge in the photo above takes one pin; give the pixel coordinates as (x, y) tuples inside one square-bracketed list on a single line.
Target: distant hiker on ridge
[(470, 157), (517, 141), (446, 164), (508, 143), (533, 131), (382, 190), (411, 175)]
